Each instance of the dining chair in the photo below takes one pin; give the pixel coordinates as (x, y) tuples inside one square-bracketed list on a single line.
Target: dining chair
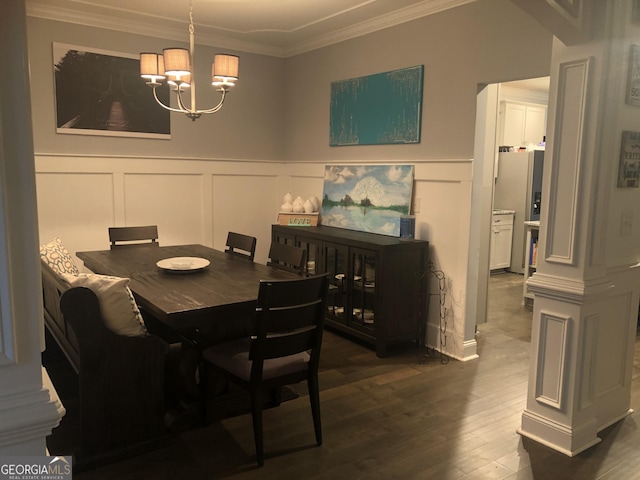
[(243, 246), (133, 236), (287, 257), (284, 348)]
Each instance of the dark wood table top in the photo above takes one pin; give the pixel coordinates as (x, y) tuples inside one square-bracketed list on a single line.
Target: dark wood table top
[(228, 286)]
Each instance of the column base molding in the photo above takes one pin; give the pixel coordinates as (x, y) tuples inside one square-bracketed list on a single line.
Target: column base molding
[(570, 441), (28, 417), (568, 290)]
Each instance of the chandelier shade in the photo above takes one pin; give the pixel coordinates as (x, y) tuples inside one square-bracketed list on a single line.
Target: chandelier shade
[(176, 61), (225, 66), (152, 66), (176, 66), (224, 70)]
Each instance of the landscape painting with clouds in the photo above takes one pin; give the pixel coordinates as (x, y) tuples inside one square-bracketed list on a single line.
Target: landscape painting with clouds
[(367, 198)]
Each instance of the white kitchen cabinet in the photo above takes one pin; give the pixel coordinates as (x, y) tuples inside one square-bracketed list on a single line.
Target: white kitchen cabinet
[(501, 239), (522, 123)]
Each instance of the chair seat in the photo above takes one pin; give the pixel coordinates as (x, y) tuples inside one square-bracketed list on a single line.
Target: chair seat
[(234, 357)]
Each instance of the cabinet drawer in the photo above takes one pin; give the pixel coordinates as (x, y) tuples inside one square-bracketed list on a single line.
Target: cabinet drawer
[(502, 219)]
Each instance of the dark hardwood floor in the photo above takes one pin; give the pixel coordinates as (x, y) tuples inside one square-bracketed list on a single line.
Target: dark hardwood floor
[(401, 417)]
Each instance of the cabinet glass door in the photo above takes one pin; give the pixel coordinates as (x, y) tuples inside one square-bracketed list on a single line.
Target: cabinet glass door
[(362, 287), (311, 246), (335, 263)]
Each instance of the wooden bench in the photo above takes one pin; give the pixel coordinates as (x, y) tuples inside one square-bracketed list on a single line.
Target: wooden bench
[(121, 378)]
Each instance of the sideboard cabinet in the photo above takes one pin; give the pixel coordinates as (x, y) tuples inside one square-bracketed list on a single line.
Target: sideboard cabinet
[(378, 283)]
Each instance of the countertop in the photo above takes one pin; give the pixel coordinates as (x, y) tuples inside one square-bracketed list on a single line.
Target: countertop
[(499, 211)]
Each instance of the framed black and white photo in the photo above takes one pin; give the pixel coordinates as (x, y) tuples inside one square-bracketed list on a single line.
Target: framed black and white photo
[(98, 92)]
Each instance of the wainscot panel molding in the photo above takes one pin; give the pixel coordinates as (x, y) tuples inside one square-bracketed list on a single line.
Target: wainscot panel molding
[(175, 194), (567, 164), (246, 204), (590, 330), (443, 187), (198, 201), (610, 375), (552, 354)]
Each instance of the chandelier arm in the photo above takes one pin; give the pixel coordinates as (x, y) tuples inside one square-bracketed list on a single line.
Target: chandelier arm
[(155, 95), (217, 107), (181, 105)]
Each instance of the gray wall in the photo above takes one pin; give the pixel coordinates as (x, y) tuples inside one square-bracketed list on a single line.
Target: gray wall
[(484, 42), (280, 108), (250, 126)]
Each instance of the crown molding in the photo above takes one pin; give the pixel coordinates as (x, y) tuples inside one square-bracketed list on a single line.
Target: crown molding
[(175, 30), (156, 27), (398, 17)]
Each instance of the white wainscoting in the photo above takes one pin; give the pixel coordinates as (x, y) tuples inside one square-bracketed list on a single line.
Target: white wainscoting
[(444, 190), (80, 197), (196, 201)]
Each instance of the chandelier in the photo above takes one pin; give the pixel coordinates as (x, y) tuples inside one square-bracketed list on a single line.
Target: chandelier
[(175, 65)]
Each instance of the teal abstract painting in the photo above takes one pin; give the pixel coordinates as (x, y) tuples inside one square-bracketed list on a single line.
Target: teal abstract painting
[(367, 198), (385, 108)]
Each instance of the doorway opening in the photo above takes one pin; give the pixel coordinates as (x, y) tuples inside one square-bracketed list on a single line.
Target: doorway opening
[(511, 118)]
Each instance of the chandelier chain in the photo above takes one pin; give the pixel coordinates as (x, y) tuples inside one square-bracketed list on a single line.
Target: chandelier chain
[(191, 27)]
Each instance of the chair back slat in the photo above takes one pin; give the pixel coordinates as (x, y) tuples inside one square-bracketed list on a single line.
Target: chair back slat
[(286, 293), (133, 236), (289, 344), (287, 257), (289, 317), (241, 245)]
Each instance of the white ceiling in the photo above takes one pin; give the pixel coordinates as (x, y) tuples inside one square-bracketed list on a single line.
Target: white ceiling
[(271, 27)]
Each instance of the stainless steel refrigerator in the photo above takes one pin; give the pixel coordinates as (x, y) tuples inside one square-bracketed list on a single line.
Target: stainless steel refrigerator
[(518, 187)]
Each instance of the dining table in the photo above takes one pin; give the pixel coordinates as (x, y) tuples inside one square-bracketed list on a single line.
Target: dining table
[(191, 295), (186, 299)]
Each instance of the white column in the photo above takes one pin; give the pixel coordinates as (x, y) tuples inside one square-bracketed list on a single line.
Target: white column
[(27, 412), (587, 281)]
